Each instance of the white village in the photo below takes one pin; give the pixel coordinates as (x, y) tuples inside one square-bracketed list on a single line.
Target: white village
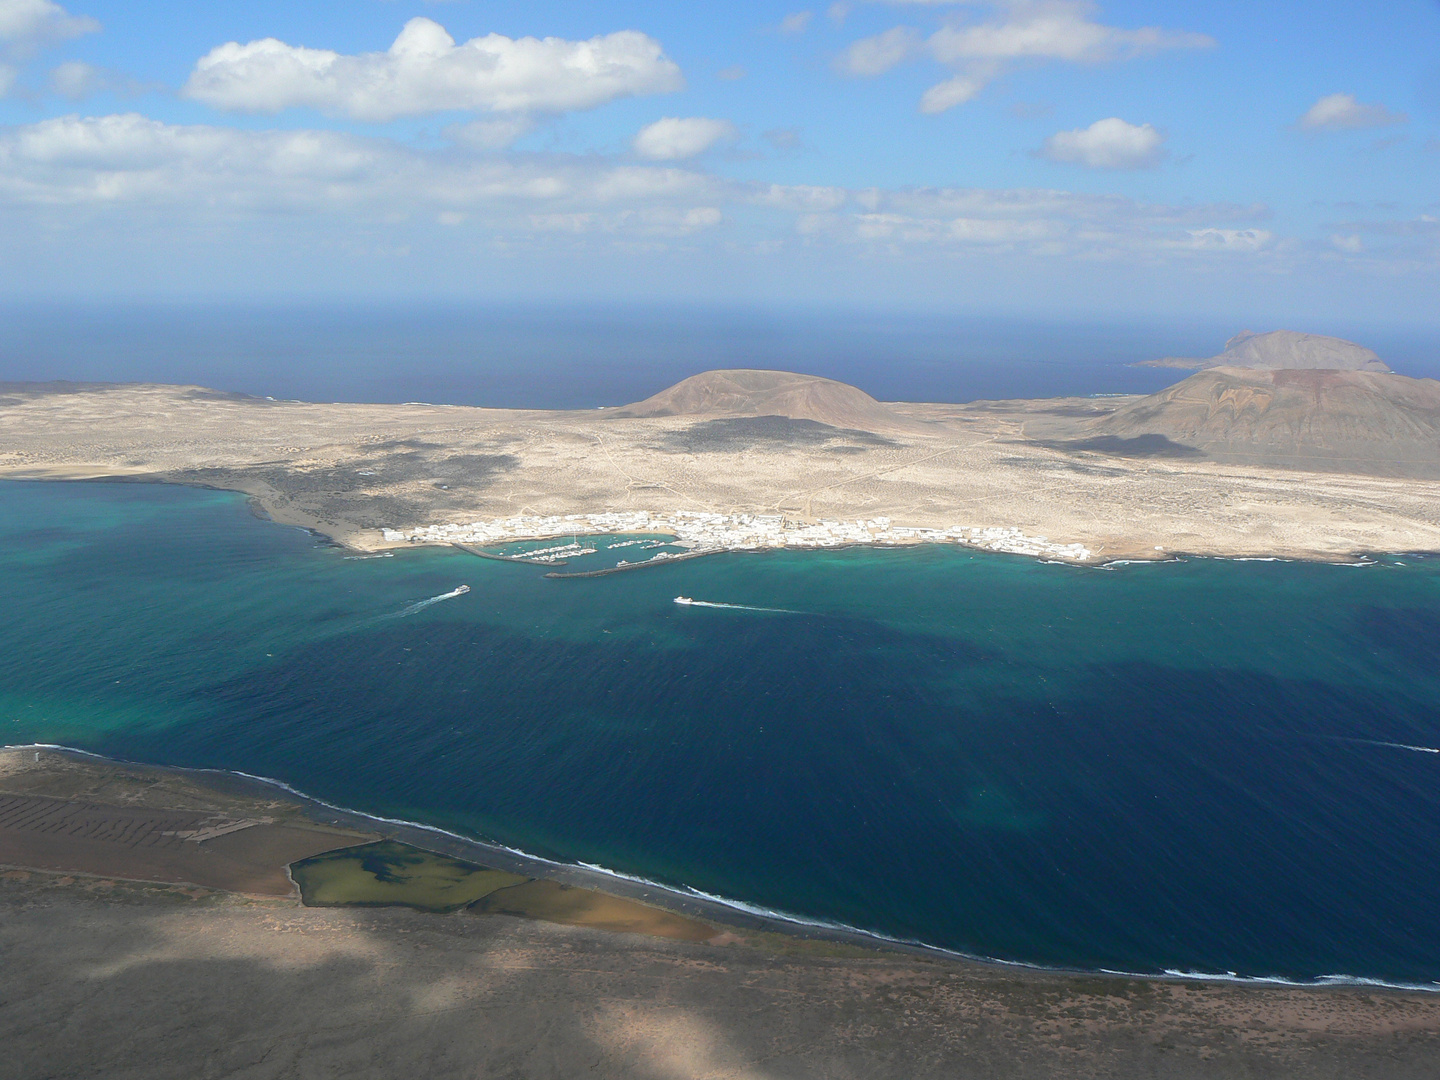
[(701, 532)]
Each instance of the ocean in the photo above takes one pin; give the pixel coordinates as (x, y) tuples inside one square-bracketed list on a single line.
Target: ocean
[(1215, 767), (556, 357)]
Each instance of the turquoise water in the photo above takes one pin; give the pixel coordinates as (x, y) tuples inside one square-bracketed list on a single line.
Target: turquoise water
[(1169, 767)]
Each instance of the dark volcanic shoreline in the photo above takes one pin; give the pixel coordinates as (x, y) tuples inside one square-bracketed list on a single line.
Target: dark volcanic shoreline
[(727, 913), (133, 979)]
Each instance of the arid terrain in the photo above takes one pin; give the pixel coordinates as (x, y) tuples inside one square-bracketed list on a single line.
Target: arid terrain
[(1074, 470), (107, 975)]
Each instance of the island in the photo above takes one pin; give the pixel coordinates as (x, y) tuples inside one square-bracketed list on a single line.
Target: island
[(1240, 459)]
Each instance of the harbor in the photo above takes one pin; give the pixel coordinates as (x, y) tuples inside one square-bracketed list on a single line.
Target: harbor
[(704, 533)]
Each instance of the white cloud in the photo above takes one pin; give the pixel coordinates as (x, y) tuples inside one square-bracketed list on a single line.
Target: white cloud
[(796, 23), (75, 80), (128, 160), (491, 133), (30, 24), (656, 222), (1016, 31), (1351, 244), (129, 169), (1042, 222), (801, 198), (1108, 144), (1340, 111), (27, 26), (674, 138), (424, 71), (1053, 30), (1230, 239), (782, 138), (952, 92), (877, 55)]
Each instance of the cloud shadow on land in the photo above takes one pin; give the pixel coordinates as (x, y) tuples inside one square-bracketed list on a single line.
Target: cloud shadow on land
[(734, 434), (147, 989), (1145, 446)]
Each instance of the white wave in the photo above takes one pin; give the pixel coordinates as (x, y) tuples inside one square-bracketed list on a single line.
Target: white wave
[(1280, 980), (687, 602), (423, 604), (685, 891)]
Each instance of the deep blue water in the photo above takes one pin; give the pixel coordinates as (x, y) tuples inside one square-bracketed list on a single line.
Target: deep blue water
[(1158, 767), (576, 357), (564, 357)]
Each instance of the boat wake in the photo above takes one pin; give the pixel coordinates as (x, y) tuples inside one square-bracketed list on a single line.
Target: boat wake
[(423, 604), (687, 602), (1392, 745)]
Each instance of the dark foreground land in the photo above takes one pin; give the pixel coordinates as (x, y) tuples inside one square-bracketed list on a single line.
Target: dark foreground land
[(109, 977)]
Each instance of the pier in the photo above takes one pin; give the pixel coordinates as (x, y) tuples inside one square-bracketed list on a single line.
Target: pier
[(658, 560)]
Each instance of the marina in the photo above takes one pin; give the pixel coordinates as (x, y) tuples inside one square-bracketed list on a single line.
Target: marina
[(705, 532)]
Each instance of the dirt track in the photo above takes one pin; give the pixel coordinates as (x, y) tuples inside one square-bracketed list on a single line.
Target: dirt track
[(217, 851)]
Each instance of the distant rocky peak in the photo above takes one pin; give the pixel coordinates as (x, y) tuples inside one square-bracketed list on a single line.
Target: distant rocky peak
[(1288, 349), (1280, 350)]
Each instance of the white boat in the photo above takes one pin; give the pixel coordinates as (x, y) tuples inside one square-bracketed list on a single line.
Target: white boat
[(462, 589), (683, 600)]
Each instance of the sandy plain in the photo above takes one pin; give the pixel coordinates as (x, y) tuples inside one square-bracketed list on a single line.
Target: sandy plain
[(347, 471), (109, 976)]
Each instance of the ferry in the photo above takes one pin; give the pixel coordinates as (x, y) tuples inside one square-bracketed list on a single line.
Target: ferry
[(683, 600), (462, 590)]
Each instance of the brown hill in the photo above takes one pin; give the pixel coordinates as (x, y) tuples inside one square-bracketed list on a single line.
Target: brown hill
[(1345, 421), (747, 392), (1282, 349)]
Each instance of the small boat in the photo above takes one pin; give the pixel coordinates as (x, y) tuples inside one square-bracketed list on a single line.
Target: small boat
[(462, 589), (683, 600)]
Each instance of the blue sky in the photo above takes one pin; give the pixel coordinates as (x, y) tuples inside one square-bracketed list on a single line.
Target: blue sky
[(1036, 157)]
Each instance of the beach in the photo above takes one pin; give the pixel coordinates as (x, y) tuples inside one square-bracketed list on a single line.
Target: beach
[(155, 979)]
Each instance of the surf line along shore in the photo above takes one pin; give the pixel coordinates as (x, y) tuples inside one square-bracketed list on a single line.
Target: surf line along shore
[(89, 780), (284, 806), (163, 975)]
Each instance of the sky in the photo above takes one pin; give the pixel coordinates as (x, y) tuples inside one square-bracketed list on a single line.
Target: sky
[(1268, 163)]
